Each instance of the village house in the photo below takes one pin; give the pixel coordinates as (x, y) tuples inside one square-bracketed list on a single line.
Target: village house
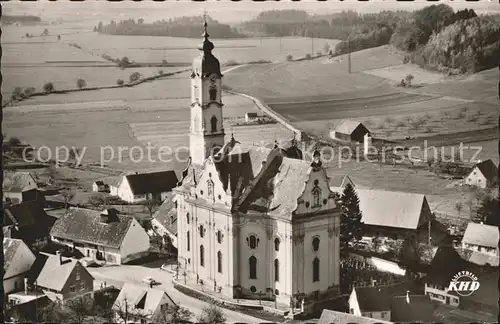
[(483, 175), (18, 260), (59, 278), (24, 306), (102, 235), (371, 301), (350, 130), (444, 265), (28, 222), (393, 214), (99, 186), (482, 240), (113, 182), (391, 303), (164, 220), (141, 186), (249, 116), (251, 220), (334, 317), (142, 304), (19, 186)]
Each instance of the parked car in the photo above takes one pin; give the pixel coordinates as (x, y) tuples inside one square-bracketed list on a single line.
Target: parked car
[(150, 281)]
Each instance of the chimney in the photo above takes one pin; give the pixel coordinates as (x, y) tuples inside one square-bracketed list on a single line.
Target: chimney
[(26, 286), (58, 252), (407, 296)]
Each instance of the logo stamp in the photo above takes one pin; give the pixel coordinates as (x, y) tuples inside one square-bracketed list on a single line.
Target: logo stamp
[(464, 283)]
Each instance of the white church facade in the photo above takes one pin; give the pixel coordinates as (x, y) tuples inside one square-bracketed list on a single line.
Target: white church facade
[(252, 221)]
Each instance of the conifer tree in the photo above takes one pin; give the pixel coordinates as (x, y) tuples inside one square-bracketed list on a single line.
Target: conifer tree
[(350, 217)]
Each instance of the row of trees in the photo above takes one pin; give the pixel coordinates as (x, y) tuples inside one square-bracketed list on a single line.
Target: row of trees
[(179, 27)]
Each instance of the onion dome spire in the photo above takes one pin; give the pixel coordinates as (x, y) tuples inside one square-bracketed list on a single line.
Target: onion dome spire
[(207, 46)]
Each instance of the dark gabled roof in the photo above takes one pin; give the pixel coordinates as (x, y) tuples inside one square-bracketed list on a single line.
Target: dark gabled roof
[(85, 225), (419, 309), (488, 169), (99, 183), (165, 213), (349, 126), (156, 182), (373, 299), (334, 317), (25, 213), (444, 265)]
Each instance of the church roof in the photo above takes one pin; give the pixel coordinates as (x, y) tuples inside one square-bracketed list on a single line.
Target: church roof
[(259, 178)]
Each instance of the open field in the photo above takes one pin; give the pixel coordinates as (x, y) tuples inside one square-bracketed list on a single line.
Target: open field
[(399, 72), (182, 50), (126, 123), (65, 77)]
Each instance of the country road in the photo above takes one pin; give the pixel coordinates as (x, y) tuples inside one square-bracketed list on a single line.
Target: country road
[(119, 275)]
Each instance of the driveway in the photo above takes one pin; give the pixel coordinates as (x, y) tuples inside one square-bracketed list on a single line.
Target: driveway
[(118, 275)]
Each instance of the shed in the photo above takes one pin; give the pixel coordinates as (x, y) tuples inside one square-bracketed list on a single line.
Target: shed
[(250, 116), (350, 130)]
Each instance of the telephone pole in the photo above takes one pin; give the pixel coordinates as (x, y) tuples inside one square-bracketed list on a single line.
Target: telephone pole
[(349, 55), (312, 43)]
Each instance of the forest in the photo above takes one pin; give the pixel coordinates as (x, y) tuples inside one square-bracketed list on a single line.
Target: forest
[(25, 19), (189, 27), (435, 37)]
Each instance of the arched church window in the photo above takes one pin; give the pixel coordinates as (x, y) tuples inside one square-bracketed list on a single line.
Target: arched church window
[(202, 256), (252, 262), (213, 93), (202, 231), (187, 218), (188, 241), (219, 262), (213, 123), (276, 270), (316, 197), (315, 244), (210, 189), (219, 237), (316, 270), (276, 244), (252, 242)]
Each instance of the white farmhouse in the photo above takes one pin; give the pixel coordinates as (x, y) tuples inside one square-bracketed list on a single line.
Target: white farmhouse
[(484, 174), (103, 236), (18, 260), (482, 240), (141, 186), (252, 220)]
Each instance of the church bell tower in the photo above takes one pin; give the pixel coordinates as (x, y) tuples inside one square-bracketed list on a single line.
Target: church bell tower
[(206, 134)]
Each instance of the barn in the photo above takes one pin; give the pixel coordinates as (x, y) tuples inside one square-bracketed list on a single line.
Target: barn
[(350, 130)]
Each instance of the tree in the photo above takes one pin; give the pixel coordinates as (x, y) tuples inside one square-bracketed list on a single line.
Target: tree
[(409, 255), (408, 79), (350, 217), (16, 93), (73, 154), (80, 309), (29, 91), (14, 141), (289, 57), (212, 315), (124, 62), (458, 207), (96, 200), (161, 72), (45, 32), (175, 314), (120, 82), (135, 77), (126, 311), (151, 204), (67, 196), (48, 87), (80, 83), (488, 212)]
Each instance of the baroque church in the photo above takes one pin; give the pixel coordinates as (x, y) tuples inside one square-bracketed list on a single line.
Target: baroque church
[(252, 221)]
